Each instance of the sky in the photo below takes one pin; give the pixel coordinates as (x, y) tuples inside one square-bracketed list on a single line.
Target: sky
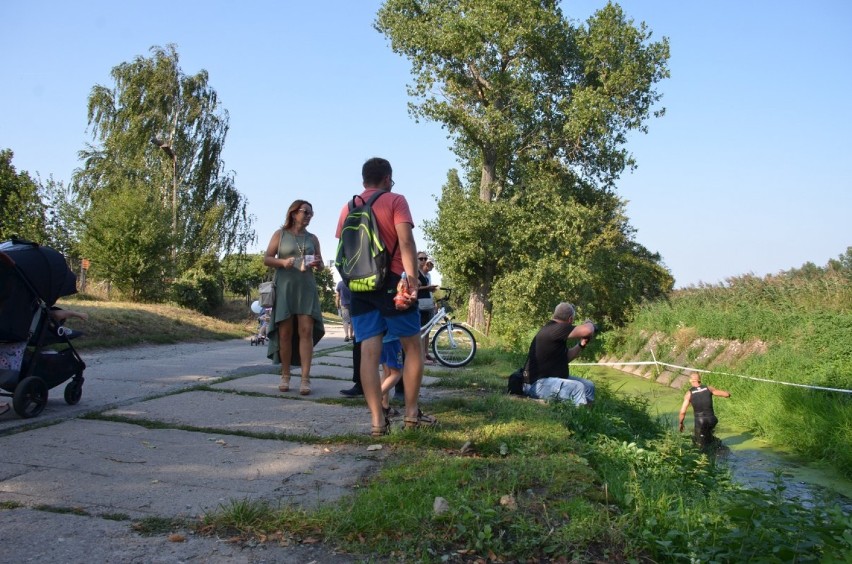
[(749, 171)]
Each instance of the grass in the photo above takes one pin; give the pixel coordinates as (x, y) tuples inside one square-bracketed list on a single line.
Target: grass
[(121, 324), (803, 326), (524, 481)]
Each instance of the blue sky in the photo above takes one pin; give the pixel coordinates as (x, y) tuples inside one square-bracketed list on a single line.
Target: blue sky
[(749, 170)]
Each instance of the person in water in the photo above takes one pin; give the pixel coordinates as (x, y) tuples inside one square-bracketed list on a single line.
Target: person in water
[(701, 399)]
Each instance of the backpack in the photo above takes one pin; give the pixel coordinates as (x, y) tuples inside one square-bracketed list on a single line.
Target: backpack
[(362, 260), (516, 381)]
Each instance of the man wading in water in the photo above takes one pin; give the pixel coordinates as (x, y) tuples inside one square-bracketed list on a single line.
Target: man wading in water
[(701, 398)]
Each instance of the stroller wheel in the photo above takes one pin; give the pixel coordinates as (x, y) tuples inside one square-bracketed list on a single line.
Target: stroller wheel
[(73, 392), (30, 397)]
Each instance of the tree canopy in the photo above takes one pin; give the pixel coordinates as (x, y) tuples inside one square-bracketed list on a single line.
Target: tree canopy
[(23, 210), (159, 135), (539, 110)]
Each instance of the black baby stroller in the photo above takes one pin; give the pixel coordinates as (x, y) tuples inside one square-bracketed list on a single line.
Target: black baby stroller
[(32, 278)]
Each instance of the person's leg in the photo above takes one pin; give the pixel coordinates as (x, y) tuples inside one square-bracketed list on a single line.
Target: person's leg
[(369, 328), (412, 375), (306, 350), (371, 350), (588, 386), (559, 388), (347, 323), (390, 377), (425, 317), (392, 369), (356, 389), (285, 352)]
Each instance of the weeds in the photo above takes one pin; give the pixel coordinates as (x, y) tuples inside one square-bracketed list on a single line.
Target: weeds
[(538, 482), (804, 319)]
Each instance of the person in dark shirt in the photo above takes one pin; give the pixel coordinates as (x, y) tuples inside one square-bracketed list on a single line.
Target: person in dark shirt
[(549, 355), (701, 399)]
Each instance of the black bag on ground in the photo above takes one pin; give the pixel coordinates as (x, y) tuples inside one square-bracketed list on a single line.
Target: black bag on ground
[(363, 260), (516, 382)]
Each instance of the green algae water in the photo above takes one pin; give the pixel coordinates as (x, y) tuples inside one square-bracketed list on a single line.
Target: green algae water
[(751, 461)]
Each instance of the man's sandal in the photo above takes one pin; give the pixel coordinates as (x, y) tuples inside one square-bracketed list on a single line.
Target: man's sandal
[(422, 420), (380, 430)]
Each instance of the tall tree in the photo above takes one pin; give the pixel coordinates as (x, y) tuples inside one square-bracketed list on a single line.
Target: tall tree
[(524, 94), (162, 132), (22, 209)]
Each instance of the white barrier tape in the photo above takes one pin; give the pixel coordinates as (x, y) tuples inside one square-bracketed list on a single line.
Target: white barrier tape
[(656, 363)]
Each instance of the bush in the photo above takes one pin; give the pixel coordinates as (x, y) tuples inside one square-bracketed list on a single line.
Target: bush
[(199, 291)]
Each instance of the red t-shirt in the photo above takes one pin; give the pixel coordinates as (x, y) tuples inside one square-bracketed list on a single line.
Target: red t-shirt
[(390, 210)]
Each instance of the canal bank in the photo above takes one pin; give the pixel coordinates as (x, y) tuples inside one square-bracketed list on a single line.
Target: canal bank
[(751, 461)]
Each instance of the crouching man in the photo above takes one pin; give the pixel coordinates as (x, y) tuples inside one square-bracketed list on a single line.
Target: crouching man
[(549, 355)]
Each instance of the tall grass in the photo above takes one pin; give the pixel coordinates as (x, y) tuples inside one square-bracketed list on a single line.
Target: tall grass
[(805, 324)]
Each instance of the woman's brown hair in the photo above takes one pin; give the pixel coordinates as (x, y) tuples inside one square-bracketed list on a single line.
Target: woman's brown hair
[(294, 207)]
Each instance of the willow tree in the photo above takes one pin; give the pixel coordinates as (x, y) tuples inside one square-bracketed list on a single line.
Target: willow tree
[(525, 95), (162, 132)]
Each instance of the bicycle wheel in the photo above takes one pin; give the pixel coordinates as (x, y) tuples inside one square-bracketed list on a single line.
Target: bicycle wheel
[(453, 348)]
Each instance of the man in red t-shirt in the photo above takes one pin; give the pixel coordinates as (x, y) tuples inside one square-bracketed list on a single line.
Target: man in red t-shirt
[(374, 313)]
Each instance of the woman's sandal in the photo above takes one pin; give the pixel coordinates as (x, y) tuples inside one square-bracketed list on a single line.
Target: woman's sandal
[(284, 386), (422, 420), (380, 430)]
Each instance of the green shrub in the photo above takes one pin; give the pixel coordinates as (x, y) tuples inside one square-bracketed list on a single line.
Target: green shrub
[(198, 290)]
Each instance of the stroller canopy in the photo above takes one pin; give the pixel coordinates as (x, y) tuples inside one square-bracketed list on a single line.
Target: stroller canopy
[(43, 268)]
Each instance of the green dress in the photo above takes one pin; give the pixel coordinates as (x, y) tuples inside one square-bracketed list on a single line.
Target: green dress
[(295, 293)]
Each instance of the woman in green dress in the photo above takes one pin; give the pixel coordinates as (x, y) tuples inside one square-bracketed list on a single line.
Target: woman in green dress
[(296, 313)]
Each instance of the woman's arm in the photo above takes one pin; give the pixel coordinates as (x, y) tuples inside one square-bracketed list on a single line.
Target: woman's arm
[(270, 258)]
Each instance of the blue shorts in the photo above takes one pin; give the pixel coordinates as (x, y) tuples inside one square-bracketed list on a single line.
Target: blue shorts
[(392, 354), (372, 323)]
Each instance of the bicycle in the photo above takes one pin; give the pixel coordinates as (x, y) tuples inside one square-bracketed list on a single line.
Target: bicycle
[(453, 344)]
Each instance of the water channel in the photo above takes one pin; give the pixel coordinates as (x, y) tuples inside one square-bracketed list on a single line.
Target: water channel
[(752, 462)]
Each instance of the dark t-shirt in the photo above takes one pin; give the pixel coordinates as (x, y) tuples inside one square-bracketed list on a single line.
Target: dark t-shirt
[(701, 399), (345, 294), (548, 355)]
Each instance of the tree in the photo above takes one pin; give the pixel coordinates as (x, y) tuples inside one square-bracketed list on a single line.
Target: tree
[(22, 210), (525, 95), (325, 288), (243, 273), (127, 230), (64, 218), (163, 132)]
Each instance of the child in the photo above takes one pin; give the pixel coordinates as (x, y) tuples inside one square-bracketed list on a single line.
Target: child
[(391, 361)]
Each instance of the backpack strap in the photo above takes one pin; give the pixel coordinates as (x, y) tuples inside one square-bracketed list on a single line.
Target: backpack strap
[(370, 203)]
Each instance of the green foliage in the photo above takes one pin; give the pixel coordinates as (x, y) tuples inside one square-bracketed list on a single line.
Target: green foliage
[(539, 110), (549, 246), (325, 287), (64, 219), (23, 211), (803, 318), (127, 239), (549, 483), (163, 132), (198, 289), (242, 273)]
